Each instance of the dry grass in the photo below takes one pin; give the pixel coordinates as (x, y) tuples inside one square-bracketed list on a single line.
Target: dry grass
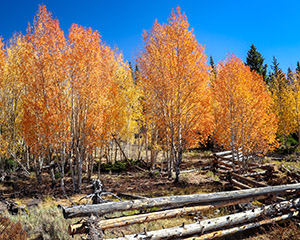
[(44, 222), (289, 230)]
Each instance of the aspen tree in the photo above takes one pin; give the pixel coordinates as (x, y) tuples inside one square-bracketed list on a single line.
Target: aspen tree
[(174, 77)]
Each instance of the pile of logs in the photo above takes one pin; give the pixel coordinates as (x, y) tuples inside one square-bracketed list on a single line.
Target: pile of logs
[(292, 172), (234, 171), (174, 206)]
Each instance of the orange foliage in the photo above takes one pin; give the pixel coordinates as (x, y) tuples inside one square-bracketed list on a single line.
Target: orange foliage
[(45, 106), (243, 115), (92, 67), (174, 78)]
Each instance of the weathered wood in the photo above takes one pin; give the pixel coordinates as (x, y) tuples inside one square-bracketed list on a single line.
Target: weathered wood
[(222, 153), (254, 174), (126, 195), (290, 173), (222, 233), (248, 181), (236, 158), (100, 209), (189, 171), (239, 184), (95, 231), (81, 227), (216, 223), (224, 168), (249, 169), (227, 164)]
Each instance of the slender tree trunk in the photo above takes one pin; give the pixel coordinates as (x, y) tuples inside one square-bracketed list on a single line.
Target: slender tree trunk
[(99, 164), (27, 157), (72, 172), (91, 164), (80, 164), (179, 156), (62, 168), (139, 148), (38, 170), (116, 153), (232, 148), (52, 167), (121, 149)]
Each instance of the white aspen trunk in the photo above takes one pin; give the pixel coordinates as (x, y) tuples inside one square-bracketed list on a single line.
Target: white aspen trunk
[(62, 177)]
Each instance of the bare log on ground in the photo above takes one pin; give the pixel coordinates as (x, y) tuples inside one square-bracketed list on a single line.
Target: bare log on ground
[(100, 209), (294, 175), (126, 195), (81, 228), (254, 174), (239, 184), (222, 233), (248, 181), (269, 167), (215, 223)]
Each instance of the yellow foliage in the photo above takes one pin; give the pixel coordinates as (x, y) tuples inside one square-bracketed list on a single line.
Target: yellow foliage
[(284, 103)]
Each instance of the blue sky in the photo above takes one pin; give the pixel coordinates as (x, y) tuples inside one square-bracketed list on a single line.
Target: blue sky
[(222, 26)]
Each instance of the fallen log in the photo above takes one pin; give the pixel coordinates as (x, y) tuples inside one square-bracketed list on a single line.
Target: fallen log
[(268, 167), (226, 164), (224, 168), (100, 209), (239, 184), (290, 173), (222, 233), (248, 181), (189, 171), (222, 153), (81, 227), (238, 158), (215, 223), (126, 195), (254, 174)]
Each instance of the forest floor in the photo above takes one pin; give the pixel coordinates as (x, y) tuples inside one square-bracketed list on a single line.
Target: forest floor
[(136, 182)]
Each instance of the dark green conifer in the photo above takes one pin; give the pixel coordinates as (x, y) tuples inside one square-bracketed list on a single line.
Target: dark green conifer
[(256, 62)]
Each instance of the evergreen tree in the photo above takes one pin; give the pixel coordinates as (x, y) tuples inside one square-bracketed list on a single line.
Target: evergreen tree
[(275, 66), (256, 62), (134, 72), (298, 67), (212, 65), (290, 76), (276, 71)]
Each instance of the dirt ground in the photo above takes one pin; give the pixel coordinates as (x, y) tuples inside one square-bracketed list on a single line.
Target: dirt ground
[(136, 182), (133, 181)]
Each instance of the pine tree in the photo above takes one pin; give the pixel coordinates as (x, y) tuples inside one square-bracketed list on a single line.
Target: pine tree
[(276, 70), (256, 62), (212, 66), (298, 67), (290, 76)]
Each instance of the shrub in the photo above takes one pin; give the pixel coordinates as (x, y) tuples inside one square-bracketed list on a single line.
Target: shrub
[(10, 230), (45, 223), (8, 164), (116, 167)]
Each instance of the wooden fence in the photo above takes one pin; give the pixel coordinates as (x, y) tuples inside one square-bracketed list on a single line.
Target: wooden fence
[(184, 205)]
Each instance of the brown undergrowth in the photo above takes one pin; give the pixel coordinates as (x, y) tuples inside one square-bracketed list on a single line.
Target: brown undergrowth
[(11, 230)]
